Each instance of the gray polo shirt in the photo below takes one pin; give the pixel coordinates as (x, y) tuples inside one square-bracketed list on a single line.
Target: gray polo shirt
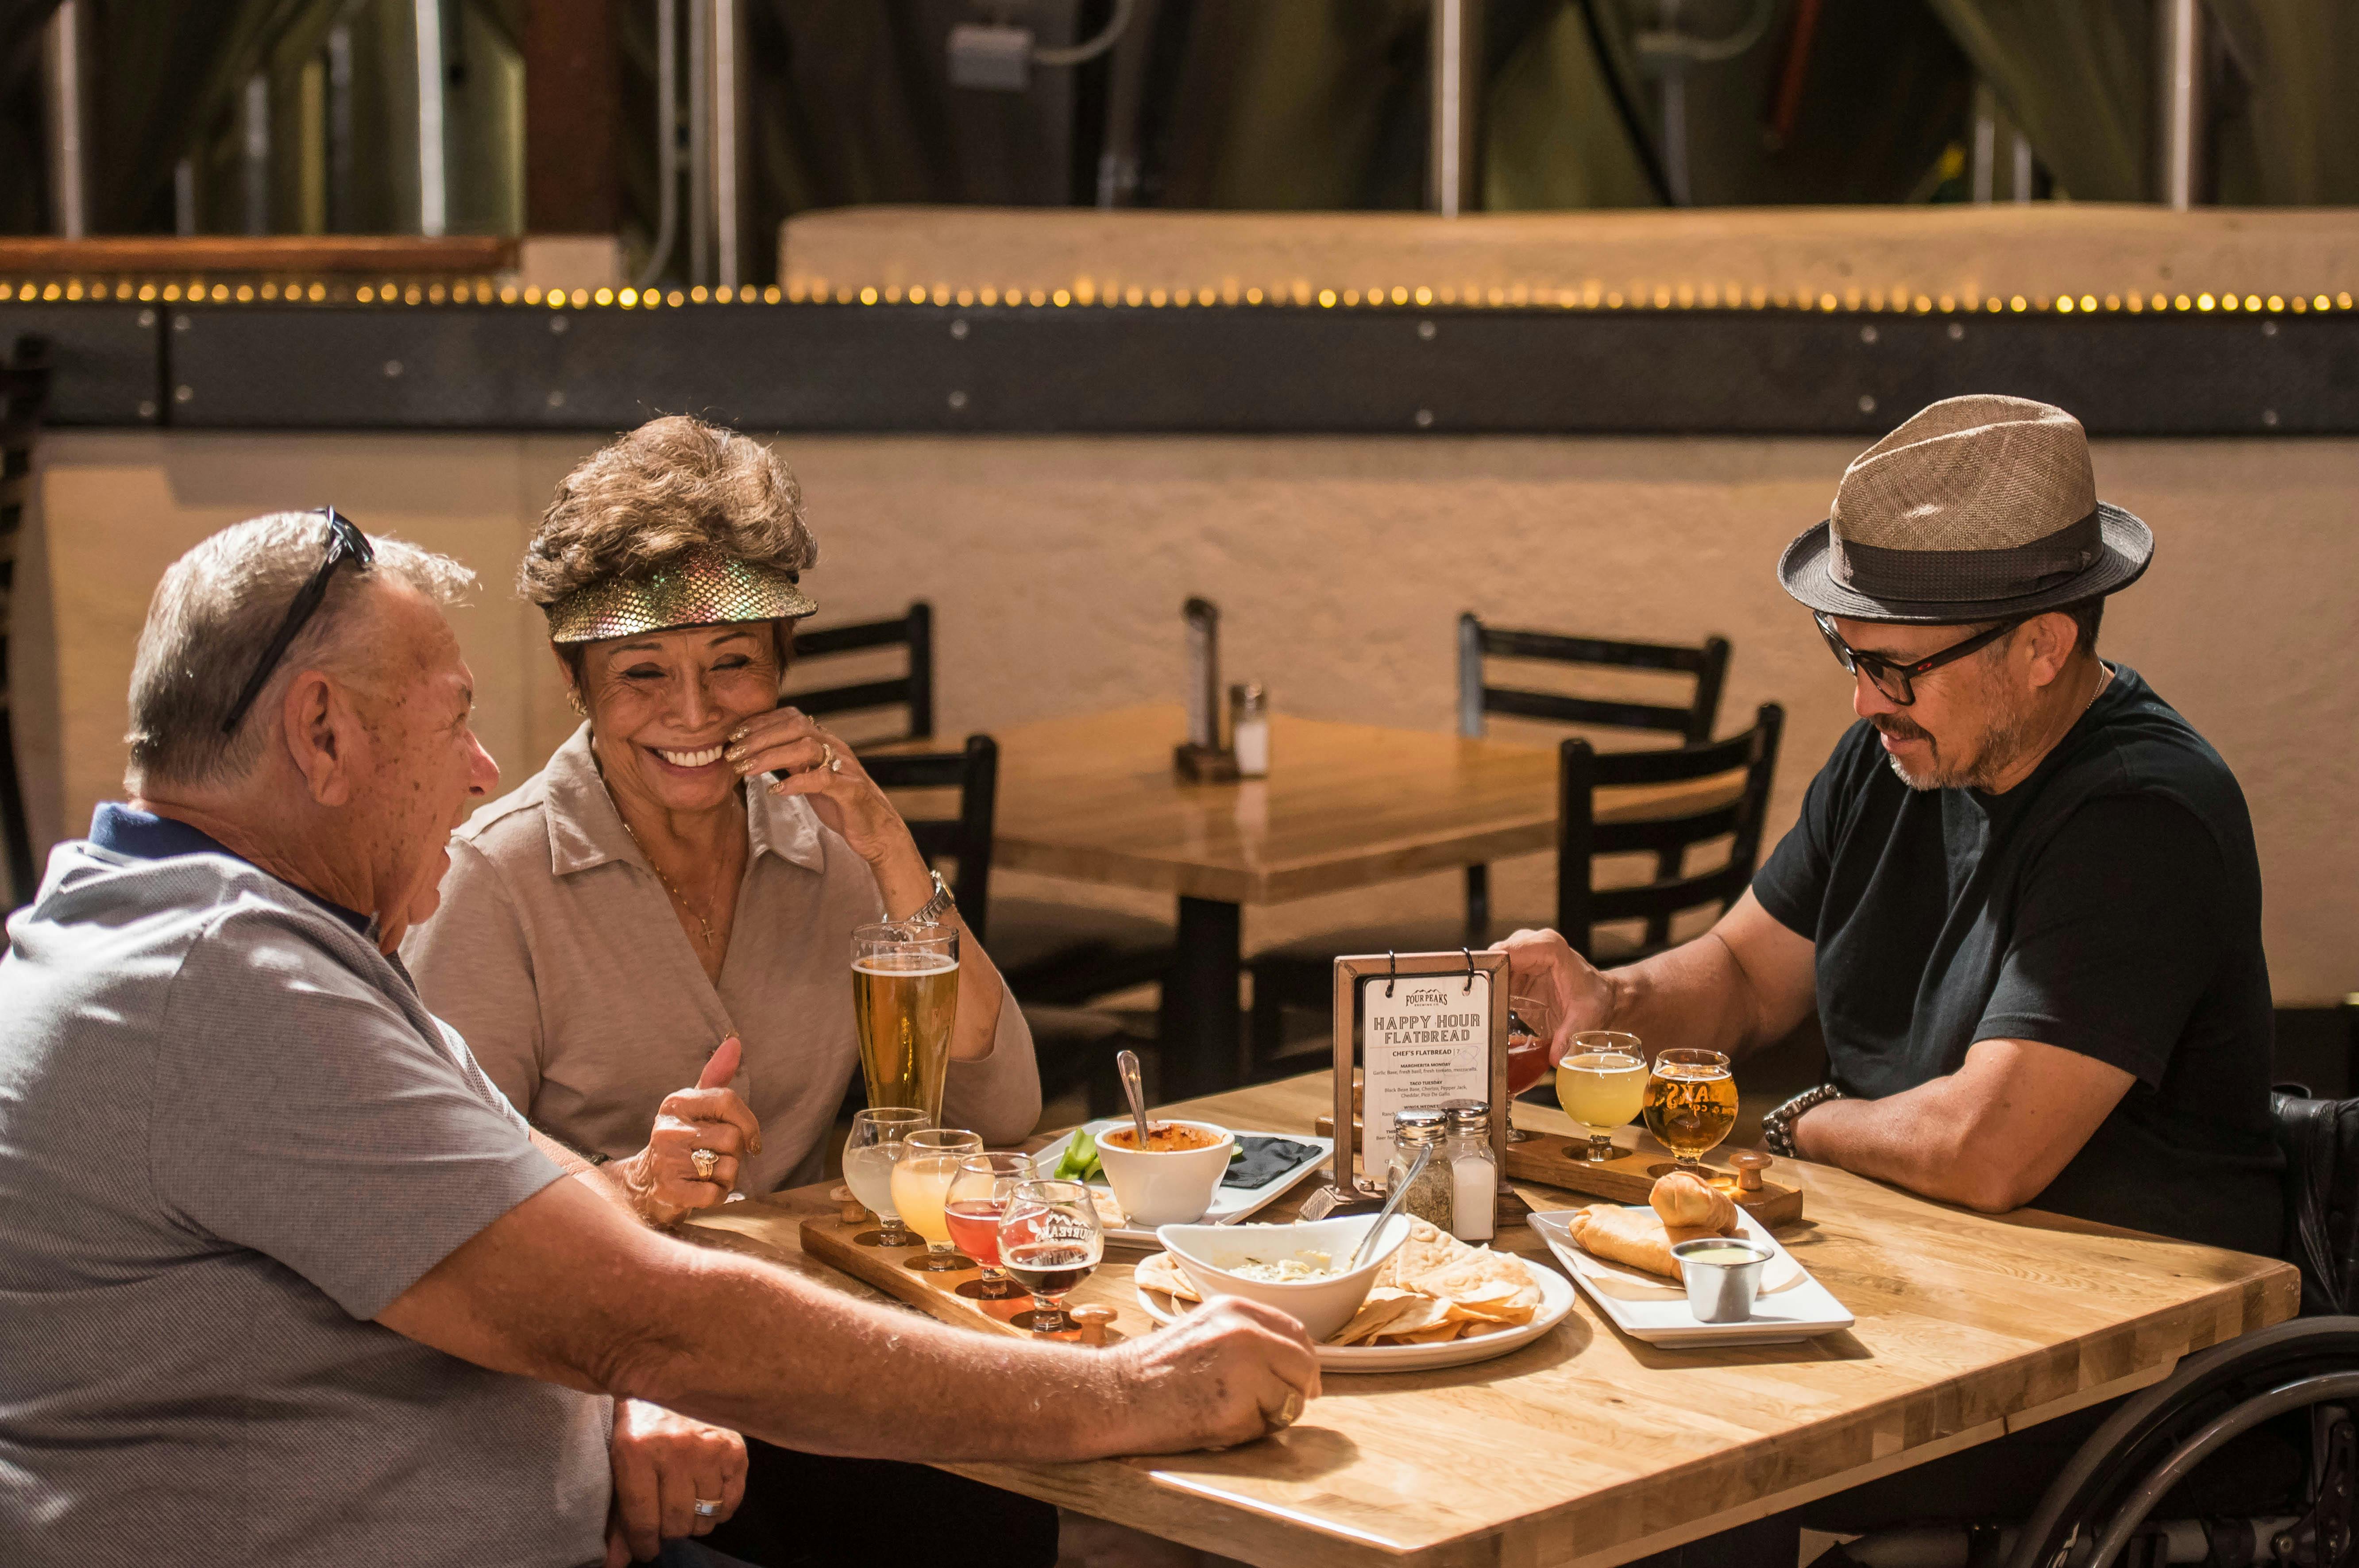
[(230, 1135)]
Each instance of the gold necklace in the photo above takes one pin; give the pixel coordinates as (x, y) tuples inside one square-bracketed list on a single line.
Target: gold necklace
[(703, 923)]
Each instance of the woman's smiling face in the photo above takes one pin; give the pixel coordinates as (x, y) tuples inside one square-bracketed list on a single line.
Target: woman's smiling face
[(662, 705)]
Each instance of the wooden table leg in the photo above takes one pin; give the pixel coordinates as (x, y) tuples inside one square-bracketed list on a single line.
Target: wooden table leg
[(1201, 1032)]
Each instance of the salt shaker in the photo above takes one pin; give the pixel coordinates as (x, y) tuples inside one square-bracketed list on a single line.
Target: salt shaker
[(1473, 1169), (1249, 730), (1416, 1132)]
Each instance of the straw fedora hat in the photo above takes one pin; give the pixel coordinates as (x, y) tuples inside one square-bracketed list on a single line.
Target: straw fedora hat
[(1975, 509)]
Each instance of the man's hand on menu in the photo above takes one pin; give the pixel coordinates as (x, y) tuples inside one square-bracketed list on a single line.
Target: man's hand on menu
[(664, 1466), (661, 1178), (1224, 1374), (1544, 963)]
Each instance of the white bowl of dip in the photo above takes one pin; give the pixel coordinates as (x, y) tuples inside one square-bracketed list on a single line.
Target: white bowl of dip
[(1254, 1260), (1171, 1186)]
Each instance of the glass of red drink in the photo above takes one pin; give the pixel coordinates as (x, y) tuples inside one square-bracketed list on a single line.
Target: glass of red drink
[(1530, 1023), (1050, 1241), (977, 1197)]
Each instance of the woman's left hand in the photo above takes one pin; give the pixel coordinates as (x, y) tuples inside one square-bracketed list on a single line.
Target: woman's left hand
[(818, 764)]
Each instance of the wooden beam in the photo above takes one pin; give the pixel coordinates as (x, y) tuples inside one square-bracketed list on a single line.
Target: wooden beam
[(466, 255), (572, 91)]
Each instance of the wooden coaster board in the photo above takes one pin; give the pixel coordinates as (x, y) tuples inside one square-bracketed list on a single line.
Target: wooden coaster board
[(1546, 1158), (830, 1241)]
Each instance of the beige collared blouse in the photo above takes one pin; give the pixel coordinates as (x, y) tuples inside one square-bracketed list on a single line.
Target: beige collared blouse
[(555, 953)]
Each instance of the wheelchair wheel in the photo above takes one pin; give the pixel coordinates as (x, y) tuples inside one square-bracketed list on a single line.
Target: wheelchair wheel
[(2097, 1513)]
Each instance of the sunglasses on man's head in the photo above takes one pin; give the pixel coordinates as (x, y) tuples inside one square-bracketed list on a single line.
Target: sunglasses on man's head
[(345, 543), (1893, 678)]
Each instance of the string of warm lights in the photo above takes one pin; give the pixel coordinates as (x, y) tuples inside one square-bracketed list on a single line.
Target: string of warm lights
[(1086, 294)]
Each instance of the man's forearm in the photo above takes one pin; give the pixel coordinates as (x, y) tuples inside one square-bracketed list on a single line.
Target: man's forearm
[(1908, 1139), (1696, 995), (766, 1353)]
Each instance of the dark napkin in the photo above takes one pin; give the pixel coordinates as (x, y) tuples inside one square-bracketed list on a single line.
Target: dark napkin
[(1267, 1159)]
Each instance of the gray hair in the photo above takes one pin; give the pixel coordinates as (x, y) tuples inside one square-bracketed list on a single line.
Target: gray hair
[(213, 618)]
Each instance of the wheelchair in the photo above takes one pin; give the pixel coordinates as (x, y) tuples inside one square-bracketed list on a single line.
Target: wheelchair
[(2248, 1452)]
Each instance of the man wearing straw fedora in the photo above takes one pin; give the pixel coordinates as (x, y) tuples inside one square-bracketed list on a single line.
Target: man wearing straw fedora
[(2022, 895)]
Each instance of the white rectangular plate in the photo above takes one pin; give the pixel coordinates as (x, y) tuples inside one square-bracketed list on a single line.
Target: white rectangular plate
[(1229, 1204), (1802, 1310)]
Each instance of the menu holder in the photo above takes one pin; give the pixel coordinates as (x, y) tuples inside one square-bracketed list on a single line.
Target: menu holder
[(1105, 1302), (1552, 1160), (1423, 1028)]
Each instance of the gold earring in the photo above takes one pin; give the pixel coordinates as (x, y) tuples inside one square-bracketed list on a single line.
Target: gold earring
[(573, 701)]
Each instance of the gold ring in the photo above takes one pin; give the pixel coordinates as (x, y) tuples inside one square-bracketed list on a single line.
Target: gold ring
[(827, 755), (705, 1160), (1286, 1415)]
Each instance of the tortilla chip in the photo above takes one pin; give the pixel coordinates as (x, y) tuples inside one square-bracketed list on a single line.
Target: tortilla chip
[(1486, 1284), (1440, 1334), (1384, 1306), (1110, 1213), (1429, 1248), (1161, 1272)]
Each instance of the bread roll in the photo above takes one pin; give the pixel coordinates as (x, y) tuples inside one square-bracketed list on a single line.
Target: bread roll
[(1689, 1203)]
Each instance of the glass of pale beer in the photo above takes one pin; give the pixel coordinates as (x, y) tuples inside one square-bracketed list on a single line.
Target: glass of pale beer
[(904, 1001), (1690, 1105), (1602, 1084), (921, 1184)]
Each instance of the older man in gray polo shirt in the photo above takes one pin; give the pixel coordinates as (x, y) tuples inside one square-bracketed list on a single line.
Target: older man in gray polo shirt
[(285, 1279)]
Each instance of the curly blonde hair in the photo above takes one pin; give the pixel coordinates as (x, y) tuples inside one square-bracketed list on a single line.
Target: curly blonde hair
[(640, 504)]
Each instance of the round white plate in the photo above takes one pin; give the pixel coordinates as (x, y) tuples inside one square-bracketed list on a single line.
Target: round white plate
[(1555, 1300)]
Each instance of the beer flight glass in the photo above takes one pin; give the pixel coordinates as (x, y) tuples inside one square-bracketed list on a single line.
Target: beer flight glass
[(1049, 1240), (1602, 1084), (904, 1003), (1531, 1024), (869, 1156), (978, 1196), (1690, 1105), (929, 1161)]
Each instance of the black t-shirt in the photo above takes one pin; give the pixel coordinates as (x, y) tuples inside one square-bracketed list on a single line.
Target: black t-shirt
[(2109, 904)]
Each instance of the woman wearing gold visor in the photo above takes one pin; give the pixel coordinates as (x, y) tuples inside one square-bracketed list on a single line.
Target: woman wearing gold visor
[(648, 945)]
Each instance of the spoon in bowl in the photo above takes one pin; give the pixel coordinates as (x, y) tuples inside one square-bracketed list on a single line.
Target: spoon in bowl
[(1125, 1065)]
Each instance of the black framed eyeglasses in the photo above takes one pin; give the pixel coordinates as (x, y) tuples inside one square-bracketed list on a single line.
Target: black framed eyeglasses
[(1897, 681), (345, 543)]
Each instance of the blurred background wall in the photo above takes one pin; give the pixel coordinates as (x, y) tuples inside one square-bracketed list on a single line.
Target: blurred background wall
[(1057, 566)]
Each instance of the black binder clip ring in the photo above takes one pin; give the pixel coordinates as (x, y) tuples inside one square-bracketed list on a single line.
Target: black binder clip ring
[(1392, 969), (1470, 968)]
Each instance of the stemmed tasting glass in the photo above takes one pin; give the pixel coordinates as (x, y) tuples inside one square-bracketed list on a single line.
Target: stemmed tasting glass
[(921, 1182), (1050, 1241), (904, 983), (1602, 1084), (978, 1196), (1690, 1105), (869, 1156), (1531, 1024)]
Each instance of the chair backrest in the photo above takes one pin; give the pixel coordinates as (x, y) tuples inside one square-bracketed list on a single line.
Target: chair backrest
[(1477, 696), (913, 691), (24, 399), (973, 771), (1581, 769)]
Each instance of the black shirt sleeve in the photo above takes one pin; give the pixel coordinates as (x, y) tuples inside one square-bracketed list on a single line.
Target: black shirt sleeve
[(2113, 941), (1791, 884)]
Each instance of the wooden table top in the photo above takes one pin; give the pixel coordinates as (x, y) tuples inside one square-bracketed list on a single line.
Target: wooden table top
[(1591, 1449), (1095, 798)]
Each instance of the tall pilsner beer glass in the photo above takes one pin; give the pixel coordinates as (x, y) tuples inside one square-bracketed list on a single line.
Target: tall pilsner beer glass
[(903, 1000)]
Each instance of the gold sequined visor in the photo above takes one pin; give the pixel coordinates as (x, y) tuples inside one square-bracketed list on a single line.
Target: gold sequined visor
[(704, 587)]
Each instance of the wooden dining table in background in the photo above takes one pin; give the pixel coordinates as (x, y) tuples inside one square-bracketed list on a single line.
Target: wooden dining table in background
[(1095, 798), (1586, 1448)]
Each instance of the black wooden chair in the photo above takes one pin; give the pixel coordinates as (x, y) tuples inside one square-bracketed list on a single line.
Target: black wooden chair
[(1478, 699), (963, 836), (1582, 770), (24, 399), (913, 691), (1302, 975)]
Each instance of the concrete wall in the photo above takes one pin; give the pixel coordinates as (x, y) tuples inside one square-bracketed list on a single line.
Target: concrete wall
[(1057, 568)]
